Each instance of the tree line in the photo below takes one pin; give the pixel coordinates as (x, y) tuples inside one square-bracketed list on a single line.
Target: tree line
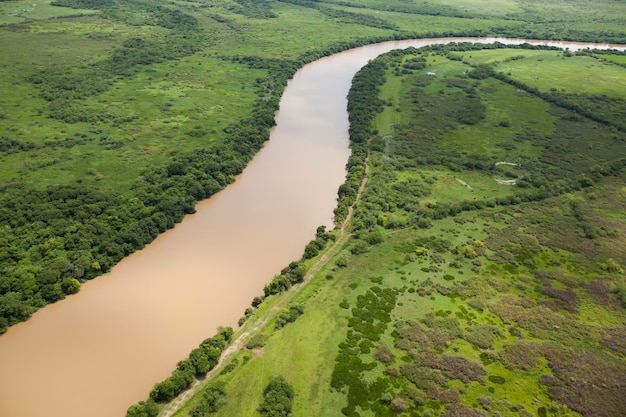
[(200, 361)]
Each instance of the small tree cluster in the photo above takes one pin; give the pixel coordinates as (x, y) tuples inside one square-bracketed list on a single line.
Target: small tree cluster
[(213, 397), (289, 315), (277, 398), (200, 361), (289, 276)]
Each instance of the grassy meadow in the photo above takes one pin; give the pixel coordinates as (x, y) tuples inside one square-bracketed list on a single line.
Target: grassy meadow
[(476, 298)]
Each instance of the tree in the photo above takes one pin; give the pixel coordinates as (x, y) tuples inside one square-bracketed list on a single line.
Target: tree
[(200, 362), (143, 409), (469, 252), (70, 285), (277, 398), (213, 397)]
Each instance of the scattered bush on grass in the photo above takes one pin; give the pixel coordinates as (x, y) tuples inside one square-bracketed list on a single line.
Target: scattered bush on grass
[(497, 379), (521, 355), (213, 398), (448, 326), (383, 354), (288, 315), (591, 383), (257, 341), (477, 304), (461, 410), (615, 339), (620, 294), (369, 320), (567, 298), (482, 335), (539, 321), (458, 367), (342, 261)]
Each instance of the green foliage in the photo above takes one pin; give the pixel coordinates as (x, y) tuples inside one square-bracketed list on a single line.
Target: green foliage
[(200, 361), (344, 16), (289, 276), (257, 341), (468, 252), (612, 266), (457, 346), (256, 9), (288, 316), (481, 71), (482, 335), (213, 398), (59, 236), (143, 409), (278, 397), (369, 320), (84, 4), (620, 293)]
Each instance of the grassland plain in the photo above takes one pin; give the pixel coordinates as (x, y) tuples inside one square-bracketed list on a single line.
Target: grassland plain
[(477, 297)]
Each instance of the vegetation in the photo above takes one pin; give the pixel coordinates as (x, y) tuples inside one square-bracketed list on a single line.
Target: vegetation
[(487, 278), (277, 398), (107, 144), (200, 361), (213, 397), (489, 238)]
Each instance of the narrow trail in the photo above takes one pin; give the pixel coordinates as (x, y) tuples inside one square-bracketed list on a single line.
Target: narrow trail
[(239, 342)]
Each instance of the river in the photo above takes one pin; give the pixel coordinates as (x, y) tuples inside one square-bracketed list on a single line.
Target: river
[(99, 351)]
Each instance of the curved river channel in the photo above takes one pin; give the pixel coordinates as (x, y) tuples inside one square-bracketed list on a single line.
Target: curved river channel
[(99, 351)]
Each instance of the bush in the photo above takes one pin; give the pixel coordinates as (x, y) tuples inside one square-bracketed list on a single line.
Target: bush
[(213, 398), (620, 293), (359, 247), (143, 409), (289, 316), (257, 341), (277, 398), (482, 335)]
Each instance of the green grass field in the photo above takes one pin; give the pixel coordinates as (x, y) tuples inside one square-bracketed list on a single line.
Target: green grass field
[(12, 12)]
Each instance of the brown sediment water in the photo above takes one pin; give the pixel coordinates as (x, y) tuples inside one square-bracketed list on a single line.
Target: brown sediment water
[(99, 351)]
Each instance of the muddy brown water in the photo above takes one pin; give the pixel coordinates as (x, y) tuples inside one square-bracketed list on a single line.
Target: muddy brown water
[(99, 351)]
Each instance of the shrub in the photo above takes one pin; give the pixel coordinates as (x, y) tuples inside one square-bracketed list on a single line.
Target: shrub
[(383, 354), (457, 367), (257, 341), (213, 398), (496, 379), (143, 409), (468, 252), (342, 261), (359, 247), (620, 293), (277, 398), (289, 316), (482, 335), (521, 355)]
